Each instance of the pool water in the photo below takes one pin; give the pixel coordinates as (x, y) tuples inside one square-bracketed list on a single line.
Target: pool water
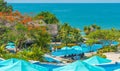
[(48, 59)]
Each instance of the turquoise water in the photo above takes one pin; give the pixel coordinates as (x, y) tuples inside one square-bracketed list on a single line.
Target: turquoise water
[(78, 15)]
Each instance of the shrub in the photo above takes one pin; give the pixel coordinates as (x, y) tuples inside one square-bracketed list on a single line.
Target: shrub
[(33, 53), (101, 55), (108, 49)]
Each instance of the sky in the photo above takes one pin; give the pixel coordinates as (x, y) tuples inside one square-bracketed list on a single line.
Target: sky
[(63, 1)]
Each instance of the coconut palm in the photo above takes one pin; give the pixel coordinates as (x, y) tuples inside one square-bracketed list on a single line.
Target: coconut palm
[(48, 17), (64, 33), (67, 34), (91, 28), (77, 36), (4, 7)]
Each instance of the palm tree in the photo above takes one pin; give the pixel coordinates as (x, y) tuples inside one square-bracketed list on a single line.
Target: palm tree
[(40, 38), (89, 29), (48, 17), (4, 7), (64, 32), (77, 35), (69, 35)]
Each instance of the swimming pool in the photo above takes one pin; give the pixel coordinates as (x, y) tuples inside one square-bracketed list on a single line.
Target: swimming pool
[(111, 67), (49, 59)]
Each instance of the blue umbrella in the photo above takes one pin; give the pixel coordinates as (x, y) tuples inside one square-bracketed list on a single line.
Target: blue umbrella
[(8, 62), (85, 50), (49, 66), (80, 49), (79, 66), (84, 46), (117, 70), (10, 47), (96, 60), (115, 43), (11, 44), (63, 52), (59, 53), (23, 66), (65, 48), (77, 49), (105, 42), (96, 47), (108, 42)]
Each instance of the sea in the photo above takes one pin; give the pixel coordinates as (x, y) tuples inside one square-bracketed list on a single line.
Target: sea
[(78, 15)]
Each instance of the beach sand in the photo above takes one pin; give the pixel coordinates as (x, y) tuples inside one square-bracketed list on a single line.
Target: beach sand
[(114, 56)]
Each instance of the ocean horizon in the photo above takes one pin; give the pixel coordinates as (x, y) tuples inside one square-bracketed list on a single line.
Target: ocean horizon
[(78, 15)]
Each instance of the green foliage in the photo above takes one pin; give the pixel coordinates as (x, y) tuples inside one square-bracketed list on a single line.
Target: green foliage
[(48, 17), (40, 38), (98, 54), (91, 28), (90, 42), (112, 35), (19, 34), (2, 50), (67, 34), (101, 55), (4, 7), (96, 36), (3, 32), (33, 53), (62, 45), (108, 49)]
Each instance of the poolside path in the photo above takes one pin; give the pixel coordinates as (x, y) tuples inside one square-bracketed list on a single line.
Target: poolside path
[(114, 56)]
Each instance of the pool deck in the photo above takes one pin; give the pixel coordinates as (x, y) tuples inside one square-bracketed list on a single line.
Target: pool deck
[(114, 56)]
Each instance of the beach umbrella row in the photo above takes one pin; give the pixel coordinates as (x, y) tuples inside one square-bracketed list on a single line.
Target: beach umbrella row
[(79, 66), (19, 65), (63, 52), (76, 50), (65, 48), (86, 65), (80, 49), (108, 42), (94, 47), (96, 60)]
